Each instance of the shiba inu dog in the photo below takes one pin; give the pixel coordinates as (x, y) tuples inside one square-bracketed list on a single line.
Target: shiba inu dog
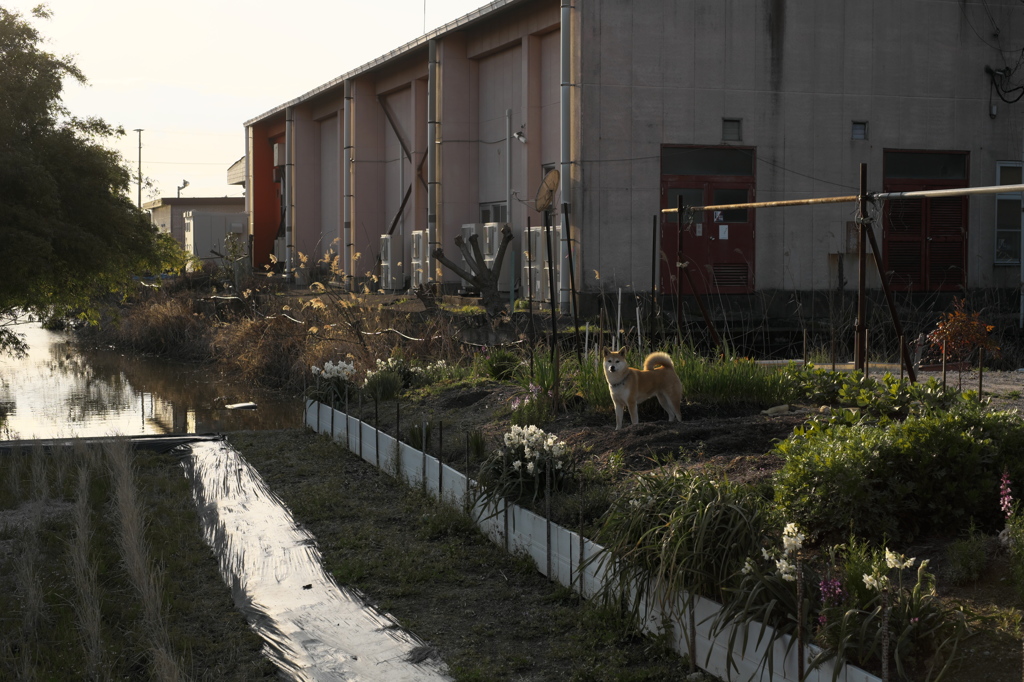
[(630, 387)]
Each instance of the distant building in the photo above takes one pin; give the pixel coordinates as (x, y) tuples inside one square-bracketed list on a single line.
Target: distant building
[(168, 213), (641, 105)]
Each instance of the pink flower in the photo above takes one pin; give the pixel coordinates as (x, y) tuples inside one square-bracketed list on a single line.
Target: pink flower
[(1005, 499)]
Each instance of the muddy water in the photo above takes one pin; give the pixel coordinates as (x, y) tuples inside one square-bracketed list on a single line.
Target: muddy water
[(58, 391), (313, 629)]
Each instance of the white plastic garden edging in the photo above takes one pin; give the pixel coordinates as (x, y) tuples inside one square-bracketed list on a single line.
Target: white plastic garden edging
[(528, 532)]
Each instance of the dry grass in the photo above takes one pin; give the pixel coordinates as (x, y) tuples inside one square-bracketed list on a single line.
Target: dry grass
[(85, 576), (75, 609), (147, 581)]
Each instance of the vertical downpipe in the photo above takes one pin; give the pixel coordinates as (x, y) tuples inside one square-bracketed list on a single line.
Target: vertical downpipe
[(346, 183), (289, 193), (564, 113), (508, 167), (250, 149), (428, 261)]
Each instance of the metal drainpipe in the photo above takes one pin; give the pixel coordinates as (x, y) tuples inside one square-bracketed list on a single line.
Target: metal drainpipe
[(565, 112), (289, 198), (250, 186), (508, 166), (428, 261), (346, 184)]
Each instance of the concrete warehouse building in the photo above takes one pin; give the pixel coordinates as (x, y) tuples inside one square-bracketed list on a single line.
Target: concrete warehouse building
[(637, 104)]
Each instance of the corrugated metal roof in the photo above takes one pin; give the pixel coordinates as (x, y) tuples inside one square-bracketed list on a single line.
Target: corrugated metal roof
[(462, 21)]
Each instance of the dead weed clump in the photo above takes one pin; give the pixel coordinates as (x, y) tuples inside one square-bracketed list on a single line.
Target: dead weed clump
[(159, 324), (268, 352)]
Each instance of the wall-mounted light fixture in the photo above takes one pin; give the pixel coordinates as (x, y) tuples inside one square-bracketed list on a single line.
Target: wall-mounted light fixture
[(519, 136)]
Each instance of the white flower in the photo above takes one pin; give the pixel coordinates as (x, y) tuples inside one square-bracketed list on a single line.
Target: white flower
[(787, 571), (792, 538), (517, 465), (766, 554), (530, 467), (894, 560), (748, 567), (874, 582)]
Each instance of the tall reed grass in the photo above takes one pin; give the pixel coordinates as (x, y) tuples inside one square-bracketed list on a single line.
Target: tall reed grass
[(146, 580), (85, 577)]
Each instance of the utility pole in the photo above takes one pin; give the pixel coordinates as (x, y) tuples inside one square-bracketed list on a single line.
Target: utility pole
[(139, 131)]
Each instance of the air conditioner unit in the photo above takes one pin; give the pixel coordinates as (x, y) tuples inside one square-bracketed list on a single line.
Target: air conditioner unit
[(492, 238), (491, 245), (535, 272), (468, 230), (419, 258), (392, 276)]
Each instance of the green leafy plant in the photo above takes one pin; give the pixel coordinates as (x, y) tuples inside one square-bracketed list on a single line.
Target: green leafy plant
[(928, 472), (500, 363), (967, 557), (677, 534)]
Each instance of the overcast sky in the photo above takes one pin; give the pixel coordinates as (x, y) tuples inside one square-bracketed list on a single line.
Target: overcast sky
[(191, 72)]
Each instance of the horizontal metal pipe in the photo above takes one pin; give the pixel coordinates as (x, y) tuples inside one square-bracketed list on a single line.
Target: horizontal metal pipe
[(952, 192), (873, 196), (769, 204)]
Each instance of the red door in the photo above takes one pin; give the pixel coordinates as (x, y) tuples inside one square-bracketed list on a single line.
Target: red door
[(715, 247), (925, 240)]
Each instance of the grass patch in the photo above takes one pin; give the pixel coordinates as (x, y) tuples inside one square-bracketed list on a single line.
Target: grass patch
[(425, 564), (73, 609)]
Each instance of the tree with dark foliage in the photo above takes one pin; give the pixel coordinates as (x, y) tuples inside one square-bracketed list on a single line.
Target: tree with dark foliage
[(70, 233)]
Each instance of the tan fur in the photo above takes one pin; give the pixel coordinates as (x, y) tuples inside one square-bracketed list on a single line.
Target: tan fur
[(630, 387)]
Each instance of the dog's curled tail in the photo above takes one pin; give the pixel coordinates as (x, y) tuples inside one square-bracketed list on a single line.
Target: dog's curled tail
[(658, 360)]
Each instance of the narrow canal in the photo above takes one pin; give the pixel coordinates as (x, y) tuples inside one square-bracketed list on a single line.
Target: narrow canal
[(59, 391), (313, 629)]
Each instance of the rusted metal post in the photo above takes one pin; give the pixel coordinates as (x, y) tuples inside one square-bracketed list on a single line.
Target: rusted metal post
[(905, 357)]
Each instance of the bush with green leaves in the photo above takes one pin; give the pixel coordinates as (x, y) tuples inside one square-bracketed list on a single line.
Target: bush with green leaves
[(933, 472), (871, 400)]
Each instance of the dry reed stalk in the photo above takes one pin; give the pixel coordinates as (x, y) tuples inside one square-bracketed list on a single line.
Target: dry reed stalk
[(40, 481), (147, 581), (84, 576), (29, 582), (14, 462)]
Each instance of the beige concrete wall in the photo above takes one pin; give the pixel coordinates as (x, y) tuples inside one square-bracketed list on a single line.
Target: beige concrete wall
[(797, 72)]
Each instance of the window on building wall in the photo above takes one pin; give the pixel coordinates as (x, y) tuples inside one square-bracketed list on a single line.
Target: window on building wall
[(859, 130), (925, 238), (495, 212), (1008, 214), (732, 130)]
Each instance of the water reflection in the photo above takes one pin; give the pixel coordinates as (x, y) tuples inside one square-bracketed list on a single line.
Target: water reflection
[(58, 390), (313, 629)]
